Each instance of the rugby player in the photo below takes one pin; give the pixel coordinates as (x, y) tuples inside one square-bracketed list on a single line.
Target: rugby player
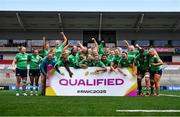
[(155, 70), (34, 72), (20, 70)]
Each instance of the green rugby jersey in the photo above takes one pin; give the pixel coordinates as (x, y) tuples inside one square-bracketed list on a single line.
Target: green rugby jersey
[(126, 62), (34, 61), (59, 50), (154, 60), (143, 63), (21, 59)]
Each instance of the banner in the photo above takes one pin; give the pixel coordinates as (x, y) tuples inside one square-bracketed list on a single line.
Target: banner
[(165, 50), (87, 82)]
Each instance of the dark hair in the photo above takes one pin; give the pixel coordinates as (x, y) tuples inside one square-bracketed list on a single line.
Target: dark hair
[(141, 50), (34, 49), (104, 55), (124, 52)]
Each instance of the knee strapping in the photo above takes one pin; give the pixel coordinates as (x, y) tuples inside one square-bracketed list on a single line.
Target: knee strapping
[(23, 82), (147, 76), (139, 77)]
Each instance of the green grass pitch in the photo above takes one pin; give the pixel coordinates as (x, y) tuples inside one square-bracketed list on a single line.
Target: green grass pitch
[(10, 105)]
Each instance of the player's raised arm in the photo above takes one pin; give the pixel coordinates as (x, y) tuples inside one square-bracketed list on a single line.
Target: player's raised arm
[(126, 43), (64, 37), (95, 42), (138, 47), (80, 44), (66, 47)]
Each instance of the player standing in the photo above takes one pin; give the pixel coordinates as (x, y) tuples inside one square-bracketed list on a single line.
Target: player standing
[(34, 72), (21, 70), (155, 70)]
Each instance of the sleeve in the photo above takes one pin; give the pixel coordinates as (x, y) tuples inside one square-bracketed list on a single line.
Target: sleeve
[(100, 49), (59, 63), (101, 64), (157, 59), (57, 69), (77, 59), (40, 59), (16, 57), (29, 57), (62, 47), (137, 61), (82, 61), (70, 59), (120, 62)]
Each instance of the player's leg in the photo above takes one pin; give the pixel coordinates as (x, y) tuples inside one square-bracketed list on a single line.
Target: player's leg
[(36, 85), (147, 80), (139, 80), (157, 77), (152, 82), (24, 80), (31, 75), (43, 84), (18, 81), (37, 81)]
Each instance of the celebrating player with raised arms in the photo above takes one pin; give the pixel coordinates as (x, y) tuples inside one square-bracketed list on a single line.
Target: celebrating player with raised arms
[(117, 57), (63, 61), (58, 46), (131, 49), (45, 49), (72, 56), (20, 70), (99, 47)]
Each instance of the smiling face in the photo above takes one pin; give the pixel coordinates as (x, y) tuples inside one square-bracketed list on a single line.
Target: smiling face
[(131, 48), (117, 52), (66, 51), (23, 50), (96, 58), (104, 58), (47, 46), (108, 51), (124, 55), (89, 57), (89, 50), (50, 56), (57, 43), (112, 53), (36, 52), (151, 52)]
